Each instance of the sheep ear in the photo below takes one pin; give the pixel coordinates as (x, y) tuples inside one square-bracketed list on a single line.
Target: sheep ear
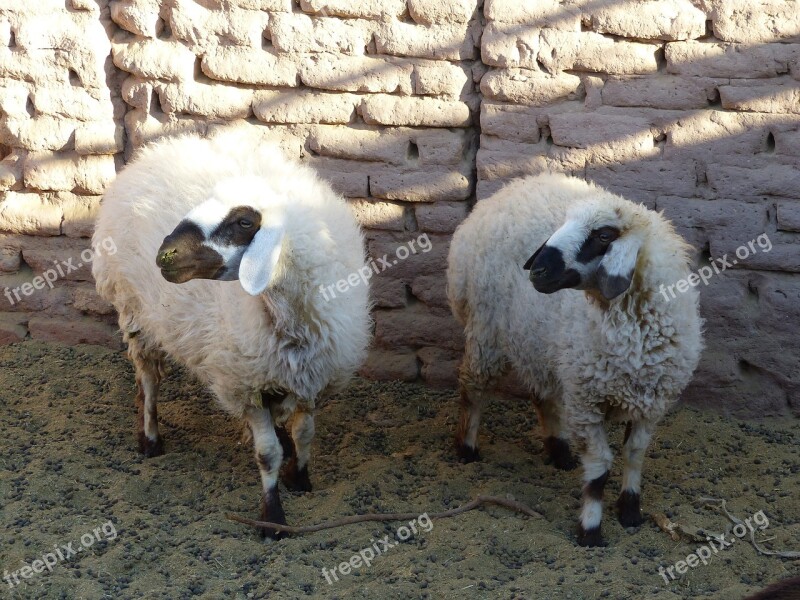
[(259, 260), (529, 262), (615, 273)]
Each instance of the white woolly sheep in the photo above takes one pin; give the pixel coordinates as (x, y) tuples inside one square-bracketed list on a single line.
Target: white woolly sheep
[(612, 346), (200, 213)]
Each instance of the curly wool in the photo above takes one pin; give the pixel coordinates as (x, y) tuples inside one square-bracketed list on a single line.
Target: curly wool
[(628, 358), (288, 337), (608, 352)]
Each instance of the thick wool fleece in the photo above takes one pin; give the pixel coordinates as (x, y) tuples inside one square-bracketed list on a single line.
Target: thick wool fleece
[(628, 358), (288, 337)]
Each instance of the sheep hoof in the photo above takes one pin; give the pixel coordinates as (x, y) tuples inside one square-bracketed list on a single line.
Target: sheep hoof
[(559, 453), (628, 509), (590, 538), (467, 454), (272, 512), (150, 448), (296, 480)]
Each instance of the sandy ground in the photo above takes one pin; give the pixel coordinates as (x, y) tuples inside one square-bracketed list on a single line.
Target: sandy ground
[(68, 466)]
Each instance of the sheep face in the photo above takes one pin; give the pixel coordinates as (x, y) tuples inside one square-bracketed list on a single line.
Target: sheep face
[(595, 249), (216, 241)]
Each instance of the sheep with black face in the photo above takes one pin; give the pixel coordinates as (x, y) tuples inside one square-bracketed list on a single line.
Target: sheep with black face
[(592, 338), (189, 216)]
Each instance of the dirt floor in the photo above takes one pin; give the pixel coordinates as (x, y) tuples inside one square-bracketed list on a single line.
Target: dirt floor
[(156, 528)]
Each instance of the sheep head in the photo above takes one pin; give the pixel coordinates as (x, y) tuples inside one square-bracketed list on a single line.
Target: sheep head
[(223, 241), (595, 249)]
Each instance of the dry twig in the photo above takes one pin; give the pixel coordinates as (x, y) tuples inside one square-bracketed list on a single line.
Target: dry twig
[(721, 505), (675, 530), (666, 525), (472, 505)]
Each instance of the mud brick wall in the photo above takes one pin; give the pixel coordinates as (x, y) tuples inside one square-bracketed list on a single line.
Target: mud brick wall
[(691, 108), (379, 96), (61, 141), (415, 110)]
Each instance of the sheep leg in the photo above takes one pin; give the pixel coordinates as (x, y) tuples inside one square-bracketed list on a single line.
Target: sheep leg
[(472, 401), (637, 438), (295, 474), (269, 454), (286, 441), (273, 399), (481, 366), (555, 441), (597, 458), (148, 379)]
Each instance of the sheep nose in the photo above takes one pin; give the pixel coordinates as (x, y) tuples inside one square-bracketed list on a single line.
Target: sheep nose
[(538, 272), (166, 256)]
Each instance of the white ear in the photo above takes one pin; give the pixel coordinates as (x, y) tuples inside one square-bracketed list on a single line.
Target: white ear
[(259, 260), (615, 272)]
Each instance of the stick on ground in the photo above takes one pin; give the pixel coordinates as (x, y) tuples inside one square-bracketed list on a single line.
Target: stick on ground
[(472, 505), (720, 504)]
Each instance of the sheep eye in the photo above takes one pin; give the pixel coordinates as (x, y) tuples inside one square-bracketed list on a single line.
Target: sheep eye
[(605, 235), (245, 224)]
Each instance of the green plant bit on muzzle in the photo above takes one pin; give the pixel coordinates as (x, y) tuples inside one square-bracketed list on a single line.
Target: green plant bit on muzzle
[(168, 257)]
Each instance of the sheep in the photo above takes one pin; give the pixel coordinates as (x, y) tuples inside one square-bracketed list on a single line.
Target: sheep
[(785, 589), (611, 346), (202, 213)]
